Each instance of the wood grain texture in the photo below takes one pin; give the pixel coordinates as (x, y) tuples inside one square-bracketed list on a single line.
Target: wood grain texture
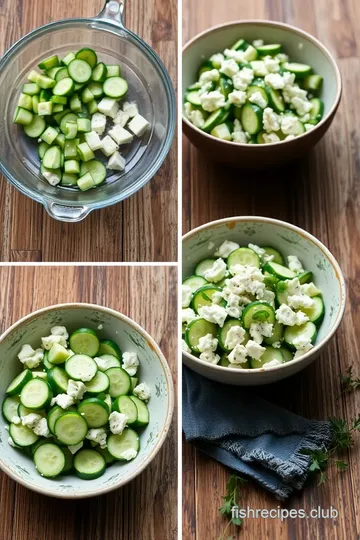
[(142, 228), (145, 509), (321, 194)]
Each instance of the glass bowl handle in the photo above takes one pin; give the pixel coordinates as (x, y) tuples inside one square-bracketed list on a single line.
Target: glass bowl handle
[(71, 214), (113, 12)]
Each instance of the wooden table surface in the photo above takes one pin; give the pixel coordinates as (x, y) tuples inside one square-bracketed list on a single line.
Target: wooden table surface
[(321, 194), (145, 509), (142, 228)]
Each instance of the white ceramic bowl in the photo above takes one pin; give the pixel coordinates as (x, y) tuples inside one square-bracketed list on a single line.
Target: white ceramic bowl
[(290, 240), (153, 369)]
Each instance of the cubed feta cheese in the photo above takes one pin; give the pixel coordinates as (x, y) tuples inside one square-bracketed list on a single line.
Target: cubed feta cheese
[(207, 343), (93, 140), (63, 400), (29, 357), (243, 78), (48, 341), (41, 428), (212, 101), (197, 118), (254, 349), (188, 315), (235, 336), (98, 123), (270, 138), (97, 435), (275, 81), (30, 420), (120, 135), (138, 125), (260, 330), (238, 355), (122, 118), (116, 162), (109, 107), (272, 64), (210, 356), (142, 391), (109, 146), (130, 362), (214, 313), (76, 389), (117, 422), (130, 108), (259, 68)]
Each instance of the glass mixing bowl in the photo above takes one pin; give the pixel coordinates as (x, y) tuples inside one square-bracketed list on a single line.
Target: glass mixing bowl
[(149, 86)]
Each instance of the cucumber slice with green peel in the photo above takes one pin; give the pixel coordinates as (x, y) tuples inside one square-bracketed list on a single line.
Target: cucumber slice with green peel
[(68, 58), (112, 71), (300, 70), (22, 435), (194, 282), (58, 380), (276, 100), (107, 346), (49, 135), (47, 365), (120, 381), (226, 86), (48, 63), (96, 169), (89, 464), (38, 443), (88, 55), (24, 411), (197, 329), (277, 335), (69, 460), (134, 381), (70, 428), (239, 45), (224, 362), (109, 459), (49, 460), (313, 83), (193, 97), (316, 312), (286, 354), (271, 49), (68, 118), (270, 282), (100, 383), (203, 266), (206, 66), (278, 258), (64, 87), (143, 415), (58, 354), (75, 103), (100, 73), (69, 179), (35, 104), (23, 116), (251, 118), (115, 87), (72, 166), (52, 157), (123, 404), (257, 312), (62, 73), (31, 89), (214, 119), (96, 89), (45, 82), (10, 407), (81, 367), (60, 100), (203, 297), (222, 132), (86, 182), (250, 54), (25, 102), (243, 256), (95, 411), (253, 89), (79, 71), (307, 330), (84, 341), (53, 415), (70, 150), (305, 277), (36, 394), (85, 152), (279, 271), (19, 382), (317, 110), (118, 444), (86, 95), (281, 292), (268, 356), (222, 333), (70, 131)]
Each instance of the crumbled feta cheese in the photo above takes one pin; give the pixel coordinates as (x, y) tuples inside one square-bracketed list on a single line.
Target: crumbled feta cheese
[(128, 454), (30, 420), (232, 307), (258, 99), (305, 118), (188, 315), (217, 297), (297, 301), (16, 420), (293, 286), (294, 264), (243, 78), (303, 350), (209, 76), (290, 125), (116, 162), (130, 362), (269, 297), (214, 313), (301, 342), (185, 347), (75, 447), (301, 318), (117, 422), (287, 316), (212, 101), (260, 330), (275, 81), (288, 79), (270, 138), (98, 123), (310, 289), (216, 272), (109, 146), (237, 97), (120, 134), (122, 118), (49, 341), (258, 43), (238, 355), (63, 400), (41, 428), (273, 363), (226, 248), (217, 60), (302, 106), (29, 357), (271, 120), (210, 356), (142, 391), (138, 125), (98, 435), (276, 344), (207, 343), (76, 389), (282, 58), (107, 106), (130, 108), (259, 68), (247, 279), (272, 64), (235, 336), (197, 118), (239, 137), (229, 67), (289, 138), (186, 296), (238, 56), (308, 126), (255, 350), (93, 140)]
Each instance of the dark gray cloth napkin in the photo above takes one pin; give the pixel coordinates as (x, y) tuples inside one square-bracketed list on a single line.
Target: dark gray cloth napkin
[(250, 435)]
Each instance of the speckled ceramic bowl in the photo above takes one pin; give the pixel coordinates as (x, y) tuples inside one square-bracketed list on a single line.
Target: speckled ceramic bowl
[(301, 47), (153, 369), (290, 240)]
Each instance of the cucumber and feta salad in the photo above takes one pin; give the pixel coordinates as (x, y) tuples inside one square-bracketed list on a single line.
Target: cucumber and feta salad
[(249, 307), (77, 406), (67, 107), (253, 93)]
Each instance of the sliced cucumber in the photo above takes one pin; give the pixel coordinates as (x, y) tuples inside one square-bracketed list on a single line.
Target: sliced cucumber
[(51, 159), (120, 381), (300, 70), (276, 100), (49, 63), (79, 71), (226, 86), (307, 330), (143, 416), (35, 128), (99, 73), (278, 258), (317, 110), (115, 87), (313, 83), (279, 271), (203, 297), (10, 407), (316, 312), (58, 354), (271, 49), (84, 341), (36, 394), (95, 411), (194, 282), (49, 460), (22, 435), (96, 169), (222, 132), (193, 97), (277, 335), (251, 118), (305, 277), (203, 266), (70, 428), (197, 329), (89, 464), (23, 116), (81, 367), (53, 415), (24, 411), (286, 354), (257, 312), (100, 383), (109, 347), (19, 382), (239, 45), (62, 73), (58, 379), (64, 87), (214, 119), (123, 404), (269, 355), (243, 256), (88, 55), (118, 444)]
